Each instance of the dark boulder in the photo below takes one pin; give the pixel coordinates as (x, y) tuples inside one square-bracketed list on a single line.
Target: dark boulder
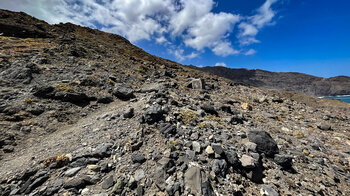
[(129, 113), (138, 158), (209, 109), (153, 114), (124, 92), (226, 108), (44, 91), (219, 167), (167, 129), (264, 142), (105, 99), (284, 161), (72, 97), (207, 189), (232, 158), (102, 150), (50, 92)]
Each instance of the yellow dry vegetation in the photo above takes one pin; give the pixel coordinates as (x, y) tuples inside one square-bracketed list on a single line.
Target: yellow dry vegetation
[(202, 125), (215, 118), (64, 87), (128, 145), (29, 100), (172, 144), (212, 117), (188, 116), (61, 160), (298, 134)]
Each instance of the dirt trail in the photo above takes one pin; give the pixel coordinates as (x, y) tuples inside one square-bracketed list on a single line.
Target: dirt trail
[(64, 140)]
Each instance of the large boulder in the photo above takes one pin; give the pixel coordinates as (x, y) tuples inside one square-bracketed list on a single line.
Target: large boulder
[(50, 92), (285, 161), (153, 114), (324, 126), (198, 84), (168, 129), (72, 97), (124, 92), (264, 142), (209, 109), (44, 91), (232, 158), (193, 180)]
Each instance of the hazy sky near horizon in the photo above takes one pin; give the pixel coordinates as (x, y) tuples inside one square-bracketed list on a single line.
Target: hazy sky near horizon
[(308, 36)]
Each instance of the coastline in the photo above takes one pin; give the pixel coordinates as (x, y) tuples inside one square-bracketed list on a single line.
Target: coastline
[(322, 97), (343, 98)]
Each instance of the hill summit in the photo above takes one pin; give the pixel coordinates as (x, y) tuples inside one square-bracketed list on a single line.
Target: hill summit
[(83, 112)]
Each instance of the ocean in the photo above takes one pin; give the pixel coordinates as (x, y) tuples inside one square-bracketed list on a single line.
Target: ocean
[(345, 98)]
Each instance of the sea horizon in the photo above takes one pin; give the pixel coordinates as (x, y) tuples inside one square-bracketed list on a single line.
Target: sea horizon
[(344, 98)]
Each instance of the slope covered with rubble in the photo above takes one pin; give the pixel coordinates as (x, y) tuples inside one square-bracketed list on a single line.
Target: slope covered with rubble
[(83, 112)]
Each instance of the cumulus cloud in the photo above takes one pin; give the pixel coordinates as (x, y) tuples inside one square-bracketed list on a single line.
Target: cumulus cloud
[(211, 31), (135, 19), (220, 64), (252, 24), (186, 23), (224, 48), (189, 11)]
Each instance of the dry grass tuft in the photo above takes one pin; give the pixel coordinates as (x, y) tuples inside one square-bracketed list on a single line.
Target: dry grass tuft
[(60, 160)]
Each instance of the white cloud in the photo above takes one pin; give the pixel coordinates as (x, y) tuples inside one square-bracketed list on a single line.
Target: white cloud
[(186, 23), (211, 31), (224, 48), (220, 65), (161, 39), (192, 11), (250, 28), (137, 19), (248, 40), (179, 54), (264, 15), (250, 52)]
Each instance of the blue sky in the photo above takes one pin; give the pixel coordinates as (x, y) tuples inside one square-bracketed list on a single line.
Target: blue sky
[(308, 36)]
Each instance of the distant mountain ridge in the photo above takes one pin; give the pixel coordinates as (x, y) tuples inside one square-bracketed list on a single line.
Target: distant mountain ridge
[(288, 81)]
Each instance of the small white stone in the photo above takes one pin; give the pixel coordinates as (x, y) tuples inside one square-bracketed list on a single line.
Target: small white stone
[(209, 150), (85, 191), (247, 161)]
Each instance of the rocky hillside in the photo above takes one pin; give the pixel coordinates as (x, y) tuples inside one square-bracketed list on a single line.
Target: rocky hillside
[(286, 81), (83, 112)]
